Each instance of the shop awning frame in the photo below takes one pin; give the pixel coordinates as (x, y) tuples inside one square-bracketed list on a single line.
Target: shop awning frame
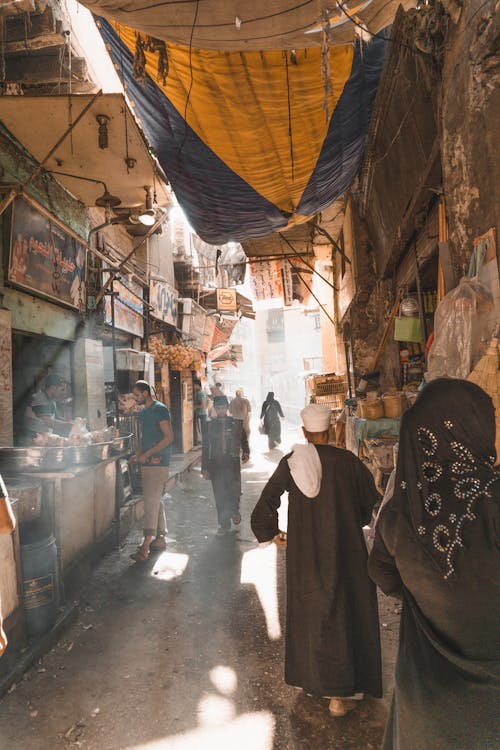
[(126, 164)]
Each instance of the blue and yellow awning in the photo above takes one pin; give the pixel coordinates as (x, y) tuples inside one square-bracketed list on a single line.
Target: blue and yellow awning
[(243, 136)]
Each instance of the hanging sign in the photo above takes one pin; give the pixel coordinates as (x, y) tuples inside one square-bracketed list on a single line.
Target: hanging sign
[(193, 322), (208, 333), (45, 258), (226, 300), (164, 299), (128, 307), (286, 271), (266, 279)]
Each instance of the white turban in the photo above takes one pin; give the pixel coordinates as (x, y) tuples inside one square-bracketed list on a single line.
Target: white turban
[(316, 417)]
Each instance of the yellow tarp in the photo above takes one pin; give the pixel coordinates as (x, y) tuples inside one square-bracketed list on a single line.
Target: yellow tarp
[(239, 104)]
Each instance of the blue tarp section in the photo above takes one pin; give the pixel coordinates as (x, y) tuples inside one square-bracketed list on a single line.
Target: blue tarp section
[(219, 204)]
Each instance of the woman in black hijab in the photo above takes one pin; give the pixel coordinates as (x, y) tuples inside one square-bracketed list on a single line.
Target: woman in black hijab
[(437, 547), (270, 413)]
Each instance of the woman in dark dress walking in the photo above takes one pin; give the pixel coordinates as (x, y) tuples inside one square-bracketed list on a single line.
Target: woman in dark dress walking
[(437, 547), (270, 413)]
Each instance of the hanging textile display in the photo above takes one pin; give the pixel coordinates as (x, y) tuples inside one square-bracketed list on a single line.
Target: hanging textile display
[(242, 136)]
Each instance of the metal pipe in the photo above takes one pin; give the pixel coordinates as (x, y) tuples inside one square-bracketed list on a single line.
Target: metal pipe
[(334, 244), (307, 264), (313, 295), (121, 265), (420, 298)]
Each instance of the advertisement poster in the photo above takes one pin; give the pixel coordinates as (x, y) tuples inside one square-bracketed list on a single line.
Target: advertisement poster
[(45, 259), (128, 307), (164, 299)]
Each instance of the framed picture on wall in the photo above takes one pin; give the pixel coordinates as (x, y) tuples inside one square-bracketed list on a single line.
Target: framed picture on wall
[(45, 258)]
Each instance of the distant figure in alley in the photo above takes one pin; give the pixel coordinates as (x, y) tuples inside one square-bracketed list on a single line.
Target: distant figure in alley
[(332, 627), (240, 408), (270, 416), (227, 447)]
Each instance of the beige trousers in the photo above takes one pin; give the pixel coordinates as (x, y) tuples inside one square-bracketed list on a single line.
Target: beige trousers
[(154, 479)]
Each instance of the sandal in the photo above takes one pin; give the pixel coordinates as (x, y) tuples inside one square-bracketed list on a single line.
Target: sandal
[(141, 556), (237, 519), (158, 544)]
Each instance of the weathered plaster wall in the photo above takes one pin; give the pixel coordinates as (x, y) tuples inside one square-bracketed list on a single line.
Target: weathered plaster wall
[(16, 166), (470, 116), (370, 308)]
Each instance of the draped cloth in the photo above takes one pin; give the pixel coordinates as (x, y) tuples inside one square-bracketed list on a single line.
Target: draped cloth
[(242, 135), (436, 545)]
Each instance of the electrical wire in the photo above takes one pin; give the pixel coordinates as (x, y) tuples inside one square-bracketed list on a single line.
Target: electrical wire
[(188, 97), (155, 6), (379, 36), (294, 251), (290, 131)]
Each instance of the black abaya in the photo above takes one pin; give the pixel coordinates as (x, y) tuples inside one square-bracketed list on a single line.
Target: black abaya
[(332, 628), (437, 545)]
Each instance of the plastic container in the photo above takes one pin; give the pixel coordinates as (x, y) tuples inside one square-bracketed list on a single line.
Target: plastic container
[(394, 404), (40, 585)]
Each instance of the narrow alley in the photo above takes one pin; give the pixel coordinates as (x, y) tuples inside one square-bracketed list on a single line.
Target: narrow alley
[(186, 652)]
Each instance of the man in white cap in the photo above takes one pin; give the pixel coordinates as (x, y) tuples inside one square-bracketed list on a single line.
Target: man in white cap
[(332, 627)]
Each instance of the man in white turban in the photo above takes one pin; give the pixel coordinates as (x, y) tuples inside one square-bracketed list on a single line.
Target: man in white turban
[(332, 627)]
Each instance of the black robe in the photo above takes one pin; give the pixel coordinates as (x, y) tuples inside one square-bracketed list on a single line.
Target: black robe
[(437, 546), (226, 440), (271, 413), (332, 627)]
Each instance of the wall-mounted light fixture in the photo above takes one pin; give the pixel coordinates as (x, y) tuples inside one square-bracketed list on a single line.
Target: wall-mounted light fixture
[(103, 136)]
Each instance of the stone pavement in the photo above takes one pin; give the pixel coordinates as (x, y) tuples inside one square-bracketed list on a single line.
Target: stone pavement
[(185, 652)]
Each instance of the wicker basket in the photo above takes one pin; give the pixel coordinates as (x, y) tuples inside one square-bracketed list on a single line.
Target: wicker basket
[(394, 404), (372, 409), (334, 401)]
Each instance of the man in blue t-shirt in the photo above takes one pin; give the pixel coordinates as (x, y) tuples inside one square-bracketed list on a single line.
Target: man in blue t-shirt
[(154, 456)]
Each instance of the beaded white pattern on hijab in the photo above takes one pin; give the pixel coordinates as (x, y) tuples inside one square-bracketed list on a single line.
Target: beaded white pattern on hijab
[(446, 534)]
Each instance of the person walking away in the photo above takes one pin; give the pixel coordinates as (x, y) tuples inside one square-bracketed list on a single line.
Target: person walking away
[(436, 546), (215, 390), (226, 441), (154, 457), (332, 629), (7, 526), (270, 414), (240, 408), (201, 416)]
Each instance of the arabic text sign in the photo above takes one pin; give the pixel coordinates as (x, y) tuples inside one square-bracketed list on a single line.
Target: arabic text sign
[(266, 279), (164, 299), (128, 307), (44, 258)]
